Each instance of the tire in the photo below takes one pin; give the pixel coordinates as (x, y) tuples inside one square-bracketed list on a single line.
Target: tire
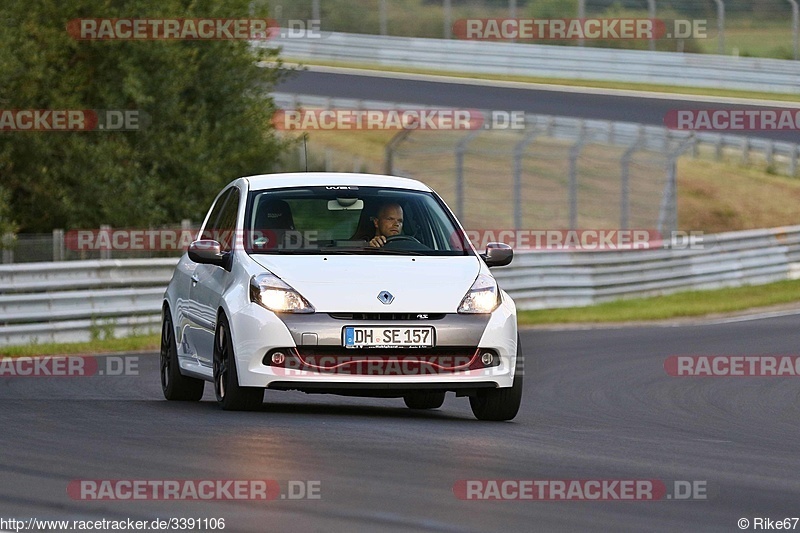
[(500, 404), (424, 400), (231, 396), (175, 385)]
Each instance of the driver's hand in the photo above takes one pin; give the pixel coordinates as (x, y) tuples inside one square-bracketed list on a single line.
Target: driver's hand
[(378, 241)]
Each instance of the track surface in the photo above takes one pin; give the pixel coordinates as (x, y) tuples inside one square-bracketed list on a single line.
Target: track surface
[(542, 101), (598, 405)]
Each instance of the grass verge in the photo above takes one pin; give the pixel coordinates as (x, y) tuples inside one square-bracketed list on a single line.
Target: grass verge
[(678, 305), (127, 344)]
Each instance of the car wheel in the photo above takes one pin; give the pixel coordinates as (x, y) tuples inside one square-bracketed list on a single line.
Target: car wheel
[(500, 404), (175, 385), (230, 395), (424, 400)]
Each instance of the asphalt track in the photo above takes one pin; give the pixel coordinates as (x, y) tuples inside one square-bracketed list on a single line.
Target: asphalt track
[(550, 101), (598, 404)]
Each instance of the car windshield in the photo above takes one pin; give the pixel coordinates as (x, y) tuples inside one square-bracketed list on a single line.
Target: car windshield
[(343, 219)]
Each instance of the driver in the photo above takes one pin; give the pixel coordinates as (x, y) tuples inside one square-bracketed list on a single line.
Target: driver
[(388, 223)]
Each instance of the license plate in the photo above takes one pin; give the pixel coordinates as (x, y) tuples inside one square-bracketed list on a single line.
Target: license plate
[(388, 337)]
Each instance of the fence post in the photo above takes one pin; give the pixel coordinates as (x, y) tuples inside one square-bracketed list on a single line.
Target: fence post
[(519, 150), (391, 146), (275, 13), (795, 26), (625, 161), (8, 251), (651, 14), (58, 245), (461, 148), (105, 253), (574, 153), (720, 27), (302, 157), (512, 12), (581, 15), (745, 150), (186, 225), (315, 13), (668, 211), (793, 162), (448, 19), (770, 153), (383, 16)]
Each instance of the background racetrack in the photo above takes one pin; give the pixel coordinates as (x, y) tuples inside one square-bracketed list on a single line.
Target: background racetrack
[(597, 405), (571, 102)]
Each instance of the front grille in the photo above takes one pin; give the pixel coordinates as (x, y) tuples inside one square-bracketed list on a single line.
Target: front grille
[(387, 316), (381, 361)]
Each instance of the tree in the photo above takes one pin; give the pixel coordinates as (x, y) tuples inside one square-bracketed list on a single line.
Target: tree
[(208, 119)]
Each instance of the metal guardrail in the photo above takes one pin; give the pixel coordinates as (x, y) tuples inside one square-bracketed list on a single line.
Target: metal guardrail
[(76, 300), (541, 280), (566, 62), (72, 301)]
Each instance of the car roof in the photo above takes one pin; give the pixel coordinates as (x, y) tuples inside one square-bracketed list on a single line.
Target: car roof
[(300, 179)]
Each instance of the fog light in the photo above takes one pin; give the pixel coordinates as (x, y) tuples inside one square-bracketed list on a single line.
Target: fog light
[(278, 358), (487, 358)]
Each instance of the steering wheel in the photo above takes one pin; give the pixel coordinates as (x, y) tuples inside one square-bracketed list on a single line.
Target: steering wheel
[(398, 238)]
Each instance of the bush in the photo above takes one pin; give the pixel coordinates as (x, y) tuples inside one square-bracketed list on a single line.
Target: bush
[(208, 117)]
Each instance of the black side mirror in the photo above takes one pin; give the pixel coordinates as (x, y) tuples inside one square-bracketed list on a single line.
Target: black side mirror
[(208, 252), (497, 254)]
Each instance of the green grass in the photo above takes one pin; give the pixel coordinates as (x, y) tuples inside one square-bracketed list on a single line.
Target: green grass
[(678, 305), (144, 343), (749, 38), (648, 87)]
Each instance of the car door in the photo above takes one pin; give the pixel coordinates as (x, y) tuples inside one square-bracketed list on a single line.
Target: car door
[(208, 281)]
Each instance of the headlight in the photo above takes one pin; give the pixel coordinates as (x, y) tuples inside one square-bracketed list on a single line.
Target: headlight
[(272, 292), (482, 297)]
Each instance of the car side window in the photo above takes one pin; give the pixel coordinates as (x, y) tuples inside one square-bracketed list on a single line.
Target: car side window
[(221, 222)]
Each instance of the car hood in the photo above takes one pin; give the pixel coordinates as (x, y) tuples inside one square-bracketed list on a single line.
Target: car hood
[(351, 283)]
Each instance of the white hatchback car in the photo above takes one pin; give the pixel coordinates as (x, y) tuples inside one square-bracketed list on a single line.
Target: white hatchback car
[(288, 289)]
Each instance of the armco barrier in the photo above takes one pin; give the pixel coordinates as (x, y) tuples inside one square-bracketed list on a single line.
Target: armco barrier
[(71, 301), (540, 280), (566, 62), (76, 300)]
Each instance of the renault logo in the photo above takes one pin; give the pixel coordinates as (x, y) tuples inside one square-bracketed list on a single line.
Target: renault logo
[(386, 297)]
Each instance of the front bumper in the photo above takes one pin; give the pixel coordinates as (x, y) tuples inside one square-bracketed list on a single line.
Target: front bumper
[(317, 361)]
